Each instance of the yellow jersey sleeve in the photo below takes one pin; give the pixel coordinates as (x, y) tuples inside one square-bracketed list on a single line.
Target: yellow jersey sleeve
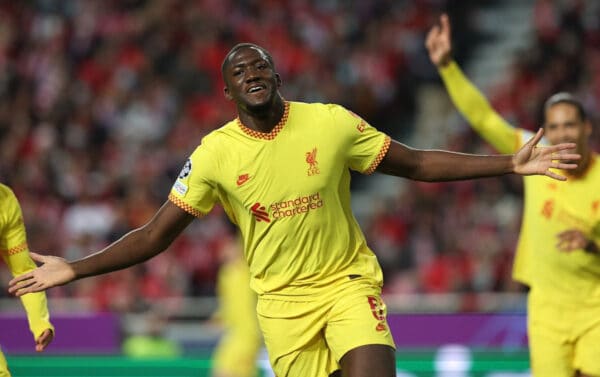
[(366, 145), (471, 103), (195, 189), (15, 252)]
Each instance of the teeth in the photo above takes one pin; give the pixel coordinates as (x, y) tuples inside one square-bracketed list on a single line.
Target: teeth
[(254, 89)]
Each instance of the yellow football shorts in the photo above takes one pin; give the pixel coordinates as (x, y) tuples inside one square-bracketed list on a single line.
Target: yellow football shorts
[(563, 337), (309, 336)]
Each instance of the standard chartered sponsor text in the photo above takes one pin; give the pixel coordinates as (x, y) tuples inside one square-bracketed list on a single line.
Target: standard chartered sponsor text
[(293, 207)]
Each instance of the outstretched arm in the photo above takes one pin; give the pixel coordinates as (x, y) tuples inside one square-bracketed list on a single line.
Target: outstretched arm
[(135, 247), (469, 101), (433, 165)]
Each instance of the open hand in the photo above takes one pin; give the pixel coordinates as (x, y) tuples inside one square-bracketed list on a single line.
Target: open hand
[(439, 43), (531, 159), (53, 271)]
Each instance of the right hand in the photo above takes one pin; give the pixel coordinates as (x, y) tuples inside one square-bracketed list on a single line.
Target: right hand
[(53, 271), (439, 44)]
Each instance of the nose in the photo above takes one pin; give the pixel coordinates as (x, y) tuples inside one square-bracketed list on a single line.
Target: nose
[(251, 75)]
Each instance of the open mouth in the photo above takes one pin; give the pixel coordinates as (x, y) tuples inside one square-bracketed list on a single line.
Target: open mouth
[(256, 88)]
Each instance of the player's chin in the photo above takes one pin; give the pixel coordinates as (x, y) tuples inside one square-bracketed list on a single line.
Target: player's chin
[(258, 106)]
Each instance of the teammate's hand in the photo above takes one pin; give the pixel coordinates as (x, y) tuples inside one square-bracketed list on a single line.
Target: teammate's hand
[(53, 271), (43, 340), (531, 159), (439, 44), (574, 239)]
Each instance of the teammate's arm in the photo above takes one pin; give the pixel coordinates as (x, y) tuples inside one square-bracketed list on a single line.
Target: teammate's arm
[(466, 97), (435, 165), (35, 304), (15, 252), (135, 247)]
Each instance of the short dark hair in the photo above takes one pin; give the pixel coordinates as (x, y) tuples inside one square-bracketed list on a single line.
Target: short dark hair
[(240, 46), (568, 98)]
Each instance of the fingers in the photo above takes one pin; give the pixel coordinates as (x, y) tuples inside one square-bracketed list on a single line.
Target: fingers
[(563, 166), (19, 279), (565, 156), (570, 240), (445, 22), (561, 147), (558, 177), (38, 257), (24, 284), (536, 139), (431, 37)]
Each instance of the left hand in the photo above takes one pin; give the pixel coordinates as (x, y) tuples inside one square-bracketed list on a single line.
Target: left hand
[(43, 340), (573, 239), (531, 159)]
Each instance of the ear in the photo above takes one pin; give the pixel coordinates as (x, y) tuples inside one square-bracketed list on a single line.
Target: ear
[(278, 78), (227, 94)]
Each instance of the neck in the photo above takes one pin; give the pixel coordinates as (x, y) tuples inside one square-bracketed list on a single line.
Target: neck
[(263, 119)]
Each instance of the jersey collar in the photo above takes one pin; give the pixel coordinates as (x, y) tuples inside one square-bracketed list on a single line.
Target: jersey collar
[(274, 132)]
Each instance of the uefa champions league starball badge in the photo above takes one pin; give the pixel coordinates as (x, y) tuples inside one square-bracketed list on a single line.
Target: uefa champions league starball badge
[(187, 168)]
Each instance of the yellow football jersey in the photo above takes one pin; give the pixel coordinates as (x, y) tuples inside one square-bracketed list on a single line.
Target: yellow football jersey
[(15, 252), (289, 193), (550, 207)]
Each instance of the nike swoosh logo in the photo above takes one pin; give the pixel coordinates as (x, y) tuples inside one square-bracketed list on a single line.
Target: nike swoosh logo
[(242, 179)]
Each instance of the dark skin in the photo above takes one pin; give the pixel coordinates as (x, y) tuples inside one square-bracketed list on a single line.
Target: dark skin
[(252, 83)]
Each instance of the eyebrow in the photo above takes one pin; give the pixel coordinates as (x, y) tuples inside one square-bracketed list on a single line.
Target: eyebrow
[(261, 59)]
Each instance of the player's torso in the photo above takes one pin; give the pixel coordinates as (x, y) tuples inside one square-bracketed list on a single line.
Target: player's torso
[(553, 207), (290, 175), (291, 200)]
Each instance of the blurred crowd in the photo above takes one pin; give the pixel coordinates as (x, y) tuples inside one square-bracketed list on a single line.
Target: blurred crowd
[(101, 102)]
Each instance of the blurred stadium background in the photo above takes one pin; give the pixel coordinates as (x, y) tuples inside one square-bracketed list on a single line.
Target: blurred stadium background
[(101, 102)]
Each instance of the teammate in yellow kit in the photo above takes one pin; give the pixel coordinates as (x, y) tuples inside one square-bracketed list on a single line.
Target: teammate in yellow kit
[(281, 170), (15, 253), (237, 351), (557, 255)]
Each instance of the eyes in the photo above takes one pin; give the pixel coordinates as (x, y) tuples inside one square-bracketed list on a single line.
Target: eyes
[(260, 66), (568, 125)]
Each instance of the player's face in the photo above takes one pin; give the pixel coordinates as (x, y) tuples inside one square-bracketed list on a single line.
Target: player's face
[(250, 79), (563, 124)]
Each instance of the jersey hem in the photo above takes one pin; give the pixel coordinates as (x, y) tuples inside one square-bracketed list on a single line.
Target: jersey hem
[(184, 206), (382, 152)]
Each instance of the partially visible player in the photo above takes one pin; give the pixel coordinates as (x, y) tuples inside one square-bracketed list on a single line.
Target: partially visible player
[(281, 170), (238, 348), (557, 255), (15, 252)]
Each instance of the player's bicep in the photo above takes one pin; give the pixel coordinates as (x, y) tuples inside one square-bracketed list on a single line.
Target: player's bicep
[(168, 222), (400, 160), (365, 146), (194, 189)]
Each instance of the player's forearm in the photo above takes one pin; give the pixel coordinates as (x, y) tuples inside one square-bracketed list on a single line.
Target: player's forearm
[(135, 247), (435, 166), (36, 307)]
